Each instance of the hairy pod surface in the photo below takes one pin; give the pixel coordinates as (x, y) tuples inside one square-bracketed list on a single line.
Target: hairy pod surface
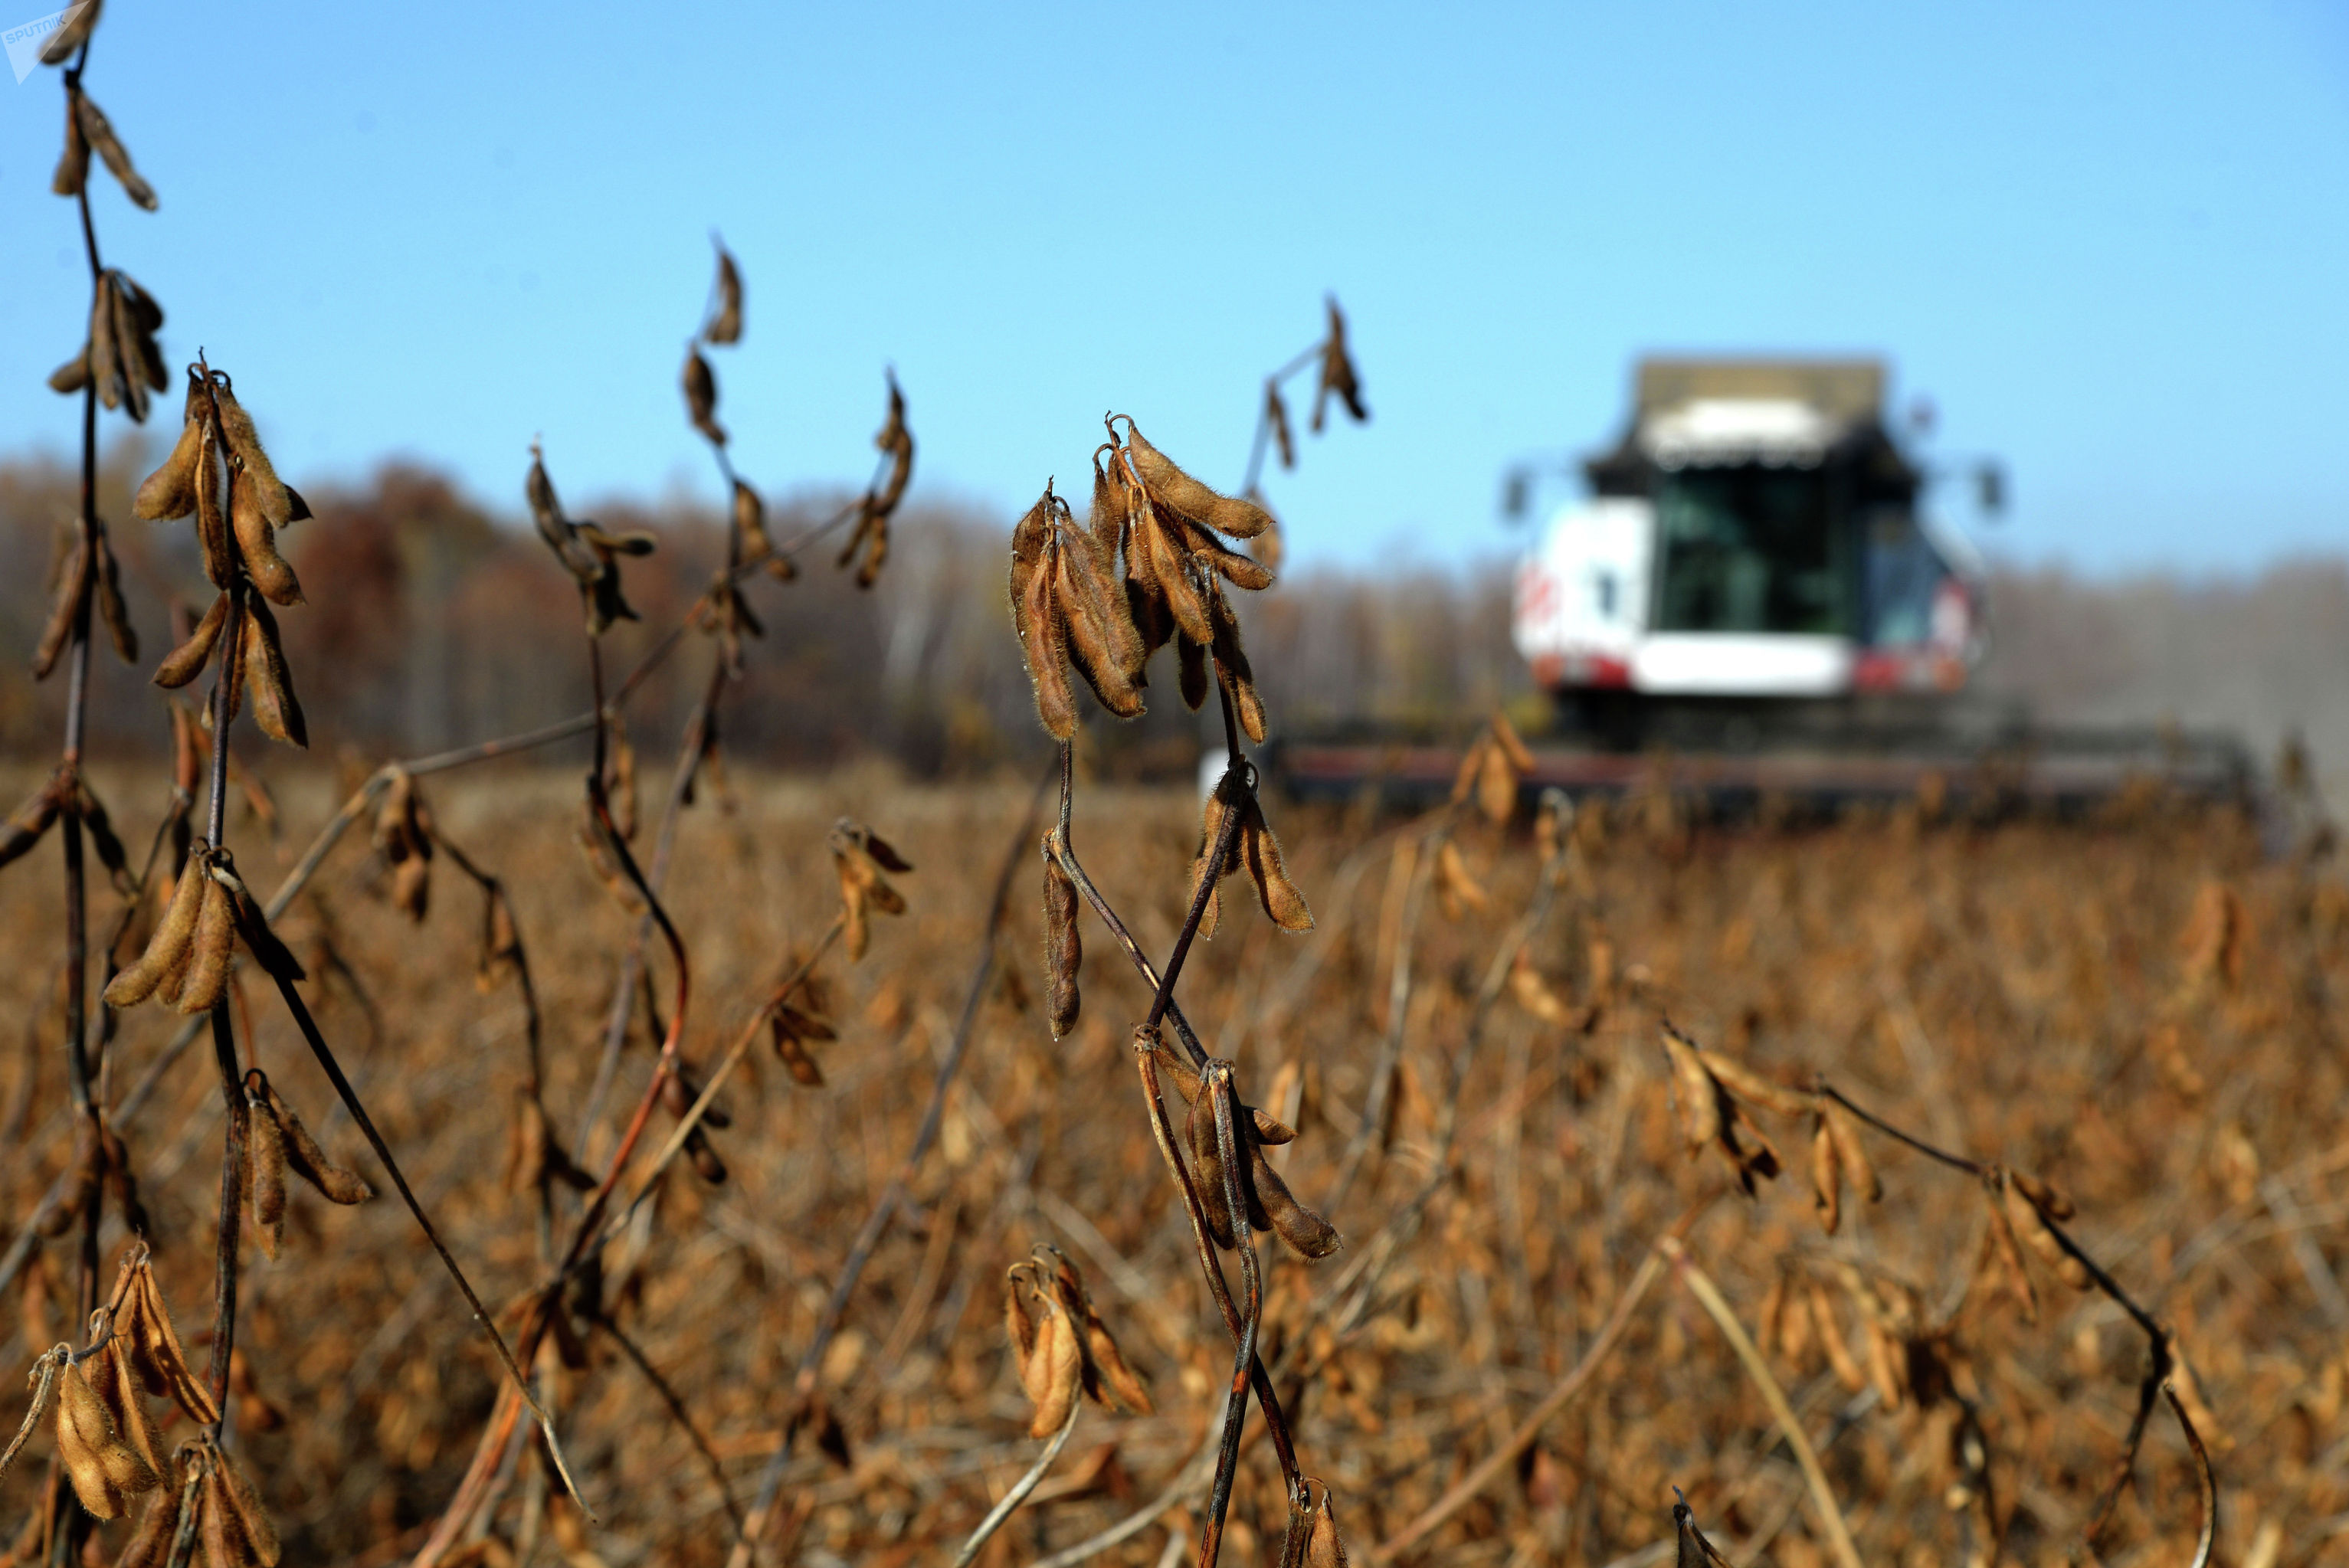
[(158, 1526), (170, 490), (211, 516), (306, 1160), (210, 952), (1177, 491), (265, 1170), (106, 1472), (270, 679), (174, 934), (157, 1356), (116, 1386)]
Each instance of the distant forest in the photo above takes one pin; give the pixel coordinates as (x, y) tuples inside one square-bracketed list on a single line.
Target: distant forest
[(433, 622)]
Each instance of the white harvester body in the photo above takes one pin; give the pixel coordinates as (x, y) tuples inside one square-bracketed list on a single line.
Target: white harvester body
[(1754, 534)]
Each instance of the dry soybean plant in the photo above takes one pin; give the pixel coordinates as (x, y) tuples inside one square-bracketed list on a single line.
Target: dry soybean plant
[(1913, 1355), (192, 932), (1148, 568), (570, 1307)]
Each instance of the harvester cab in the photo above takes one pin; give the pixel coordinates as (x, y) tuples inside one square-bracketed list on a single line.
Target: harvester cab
[(1753, 550)]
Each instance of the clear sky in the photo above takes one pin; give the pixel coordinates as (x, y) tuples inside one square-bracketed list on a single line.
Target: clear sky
[(2110, 241)]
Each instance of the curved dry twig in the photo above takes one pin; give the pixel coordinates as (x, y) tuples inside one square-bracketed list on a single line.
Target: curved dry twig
[(1020, 1489)]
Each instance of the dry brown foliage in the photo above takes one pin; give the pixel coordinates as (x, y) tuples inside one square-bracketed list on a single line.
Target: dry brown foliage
[(1991, 989)]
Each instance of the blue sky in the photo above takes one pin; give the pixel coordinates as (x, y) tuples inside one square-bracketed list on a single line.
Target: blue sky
[(2110, 241)]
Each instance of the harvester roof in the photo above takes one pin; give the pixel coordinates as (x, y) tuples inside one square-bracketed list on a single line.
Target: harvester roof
[(1843, 390), (1701, 413)]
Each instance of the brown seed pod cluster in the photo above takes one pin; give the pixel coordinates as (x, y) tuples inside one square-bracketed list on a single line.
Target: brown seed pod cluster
[(1271, 1205), (88, 131), (1067, 607), (213, 1508), (66, 793), (2021, 1208), (218, 471), (1045, 1349), (186, 962), (588, 553), (281, 1143), (71, 34), (1324, 1546), (105, 1465), (1059, 1346), (1254, 850), (86, 569), (257, 667), (870, 538), (1169, 529), (724, 613), (1338, 377), (1491, 770), (793, 1031), (1838, 1157), (750, 533), (403, 836), (1457, 891), (1064, 949), (861, 855), (107, 1442), (120, 353), (1711, 1091), (142, 1320)]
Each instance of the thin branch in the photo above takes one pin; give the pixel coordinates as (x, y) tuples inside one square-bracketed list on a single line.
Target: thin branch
[(1823, 1500), (1230, 1151), (684, 1419), (2208, 1536), (1187, 1480), (1020, 1489), (351, 1102)]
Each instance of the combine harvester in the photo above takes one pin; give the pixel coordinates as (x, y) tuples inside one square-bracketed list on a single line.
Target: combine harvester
[(1753, 607)]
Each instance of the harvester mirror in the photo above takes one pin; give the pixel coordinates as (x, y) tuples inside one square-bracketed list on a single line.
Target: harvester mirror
[(1989, 489), (1516, 494)]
